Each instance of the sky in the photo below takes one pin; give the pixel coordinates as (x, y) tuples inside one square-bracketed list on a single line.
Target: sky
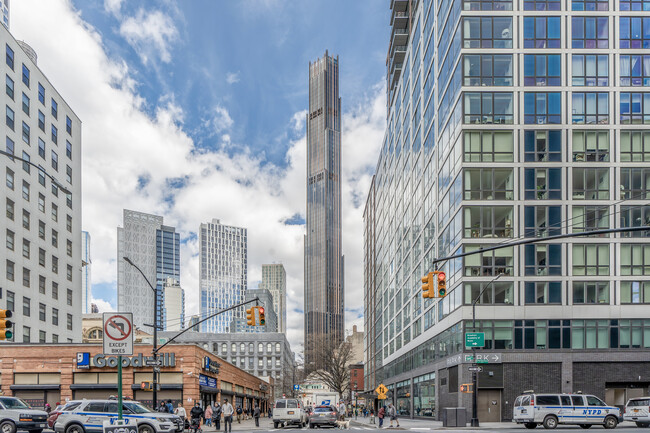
[(195, 110)]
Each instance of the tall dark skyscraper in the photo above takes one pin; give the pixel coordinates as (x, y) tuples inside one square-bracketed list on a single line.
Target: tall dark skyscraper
[(323, 259)]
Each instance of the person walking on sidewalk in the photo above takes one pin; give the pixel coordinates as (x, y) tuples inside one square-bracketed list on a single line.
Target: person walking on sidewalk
[(256, 415), (239, 412), (227, 411), (342, 410), (208, 416), (216, 416), (380, 415), (392, 413)]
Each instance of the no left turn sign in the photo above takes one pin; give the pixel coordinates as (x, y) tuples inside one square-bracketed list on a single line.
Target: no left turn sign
[(118, 333)]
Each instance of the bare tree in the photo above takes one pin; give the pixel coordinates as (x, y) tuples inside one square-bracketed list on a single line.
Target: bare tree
[(335, 360)]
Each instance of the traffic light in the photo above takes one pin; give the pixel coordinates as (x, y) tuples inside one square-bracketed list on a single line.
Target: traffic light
[(467, 388), (5, 325), (427, 286), (250, 316), (262, 318), (146, 386), (442, 284)]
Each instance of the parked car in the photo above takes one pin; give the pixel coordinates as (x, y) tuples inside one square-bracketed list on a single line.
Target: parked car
[(549, 410), (638, 410), (288, 411), (15, 414), (54, 414), (323, 415), (89, 415)]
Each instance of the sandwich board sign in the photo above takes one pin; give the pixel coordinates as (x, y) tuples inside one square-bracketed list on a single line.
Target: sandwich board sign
[(118, 334)]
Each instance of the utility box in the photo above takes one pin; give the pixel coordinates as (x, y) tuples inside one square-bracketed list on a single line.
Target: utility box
[(461, 417), (449, 417)]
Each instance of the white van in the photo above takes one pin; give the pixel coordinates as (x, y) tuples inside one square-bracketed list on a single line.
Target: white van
[(550, 410), (638, 410), (289, 411)]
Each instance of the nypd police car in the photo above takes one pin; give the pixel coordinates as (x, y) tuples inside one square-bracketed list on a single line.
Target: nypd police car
[(88, 416), (549, 410)]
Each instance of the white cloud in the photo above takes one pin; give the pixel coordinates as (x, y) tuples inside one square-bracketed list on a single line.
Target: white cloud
[(122, 143), (232, 77), (102, 305), (150, 34), (113, 6)]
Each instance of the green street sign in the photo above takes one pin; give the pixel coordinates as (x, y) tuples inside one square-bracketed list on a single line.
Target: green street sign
[(474, 339)]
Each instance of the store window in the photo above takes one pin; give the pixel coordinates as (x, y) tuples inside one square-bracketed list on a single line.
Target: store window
[(424, 395), (543, 259), (490, 146), (542, 107), (542, 32), (590, 292), (542, 70), (403, 398)]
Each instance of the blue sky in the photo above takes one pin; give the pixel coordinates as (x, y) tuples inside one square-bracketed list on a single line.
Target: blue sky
[(195, 110)]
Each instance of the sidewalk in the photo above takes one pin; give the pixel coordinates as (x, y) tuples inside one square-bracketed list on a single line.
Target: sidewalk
[(246, 425), (425, 424)]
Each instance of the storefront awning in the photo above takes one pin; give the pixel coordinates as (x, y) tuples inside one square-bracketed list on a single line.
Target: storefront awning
[(208, 389), (34, 387), (163, 386), (94, 386)]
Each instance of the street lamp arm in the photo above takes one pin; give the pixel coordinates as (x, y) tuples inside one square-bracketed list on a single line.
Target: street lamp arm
[(256, 299), (126, 259), (39, 168), (485, 288)]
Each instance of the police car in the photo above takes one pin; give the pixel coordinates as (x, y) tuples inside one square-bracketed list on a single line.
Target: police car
[(638, 410), (88, 416), (549, 410)]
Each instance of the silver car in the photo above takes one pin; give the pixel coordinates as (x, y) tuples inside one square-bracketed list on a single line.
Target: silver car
[(89, 415)]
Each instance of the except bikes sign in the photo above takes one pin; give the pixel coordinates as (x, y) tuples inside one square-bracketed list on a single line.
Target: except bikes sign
[(118, 334)]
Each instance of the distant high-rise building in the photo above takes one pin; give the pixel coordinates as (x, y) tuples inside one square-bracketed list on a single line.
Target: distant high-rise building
[(323, 259), (41, 259), (274, 279), (271, 318), (155, 249), (173, 305), (5, 13), (168, 265), (86, 261), (223, 269)]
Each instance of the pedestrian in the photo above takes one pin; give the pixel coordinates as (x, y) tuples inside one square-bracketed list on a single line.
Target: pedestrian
[(256, 415), (163, 407), (216, 416), (170, 406), (342, 410), (392, 412), (380, 415), (48, 408), (239, 412), (270, 413), (196, 414), (180, 412), (227, 411), (208, 416)]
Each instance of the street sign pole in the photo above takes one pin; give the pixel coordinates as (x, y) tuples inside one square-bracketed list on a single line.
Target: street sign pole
[(118, 340), (119, 387)]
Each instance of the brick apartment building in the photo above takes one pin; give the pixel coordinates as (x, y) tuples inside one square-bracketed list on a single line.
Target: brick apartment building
[(52, 373)]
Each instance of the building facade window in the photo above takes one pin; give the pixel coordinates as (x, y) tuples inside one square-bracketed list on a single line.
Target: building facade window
[(590, 146), (542, 70), (635, 108), (543, 183), (26, 307), (487, 32), (542, 32), (590, 292), (9, 56), (635, 70), (634, 5), (543, 259), (635, 259), (590, 108), (635, 183), (488, 184), (542, 145), (490, 146), (590, 183), (542, 292), (487, 69), (542, 221), (26, 75), (634, 32), (41, 93), (590, 259), (488, 221), (590, 69), (542, 5), (635, 216), (589, 218), (589, 32), (635, 292), (10, 240), (489, 263), (488, 107), (590, 5), (10, 270), (542, 107)]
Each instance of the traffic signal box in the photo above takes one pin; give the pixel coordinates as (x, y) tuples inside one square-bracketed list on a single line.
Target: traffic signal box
[(5, 325), (427, 286), (434, 285), (442, 284), (260, 310), (467, 388), (250, 316)]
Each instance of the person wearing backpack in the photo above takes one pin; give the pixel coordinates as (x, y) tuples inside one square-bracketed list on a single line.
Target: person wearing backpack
[(380, 415), (239, 412)]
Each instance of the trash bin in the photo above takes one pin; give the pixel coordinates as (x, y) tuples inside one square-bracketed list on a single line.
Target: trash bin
[(461, 417)]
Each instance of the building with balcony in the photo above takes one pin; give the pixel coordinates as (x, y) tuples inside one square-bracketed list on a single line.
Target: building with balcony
[(511, 120)]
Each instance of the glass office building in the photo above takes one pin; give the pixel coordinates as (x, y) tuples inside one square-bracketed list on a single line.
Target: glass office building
[(511, 120)]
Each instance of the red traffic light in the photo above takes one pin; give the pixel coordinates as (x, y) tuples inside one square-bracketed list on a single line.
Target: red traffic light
[(261, 309), (441, 276)]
